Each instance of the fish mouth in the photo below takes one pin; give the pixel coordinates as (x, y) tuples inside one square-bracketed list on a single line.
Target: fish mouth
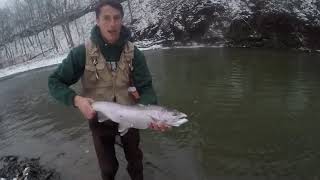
[(180, 120), (182, 116)]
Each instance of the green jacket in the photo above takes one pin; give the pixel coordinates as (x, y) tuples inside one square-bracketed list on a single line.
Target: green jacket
[(72, 68)]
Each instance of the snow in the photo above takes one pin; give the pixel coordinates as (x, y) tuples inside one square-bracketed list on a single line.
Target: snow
[(144, 12), (151, 47), (179, 26), (147, 13), (193, 47), (27, 66)]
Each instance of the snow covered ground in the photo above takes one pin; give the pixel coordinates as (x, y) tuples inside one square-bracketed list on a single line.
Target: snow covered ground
[(145, 13), (27, 66), (30, 66)]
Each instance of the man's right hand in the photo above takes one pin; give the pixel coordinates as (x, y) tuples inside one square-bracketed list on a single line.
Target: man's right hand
[(84, 105)]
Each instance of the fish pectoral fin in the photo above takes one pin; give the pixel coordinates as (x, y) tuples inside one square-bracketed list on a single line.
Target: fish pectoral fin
[(123, 129), (102, 117), (154, 119)]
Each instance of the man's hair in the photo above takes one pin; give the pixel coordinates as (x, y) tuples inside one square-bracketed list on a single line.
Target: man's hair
[(113, 3)]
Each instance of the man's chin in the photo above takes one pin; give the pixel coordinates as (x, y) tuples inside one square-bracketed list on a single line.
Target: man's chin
[(112, 40)]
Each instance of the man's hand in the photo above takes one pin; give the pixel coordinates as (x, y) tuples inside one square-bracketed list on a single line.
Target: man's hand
[(159, 126), (84, 105)]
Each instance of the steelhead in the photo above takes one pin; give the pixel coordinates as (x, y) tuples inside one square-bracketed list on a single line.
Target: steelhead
[(138, 116)]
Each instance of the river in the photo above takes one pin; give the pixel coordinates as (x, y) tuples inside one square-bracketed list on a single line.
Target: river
[(254, 114)]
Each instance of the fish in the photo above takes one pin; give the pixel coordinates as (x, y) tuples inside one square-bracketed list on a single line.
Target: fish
[(137, 116)]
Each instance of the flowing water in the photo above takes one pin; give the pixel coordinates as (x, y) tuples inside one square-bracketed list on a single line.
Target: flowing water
[(254, 114)]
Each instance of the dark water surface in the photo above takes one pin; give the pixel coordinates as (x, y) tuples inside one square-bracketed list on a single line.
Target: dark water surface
[(254, 114)]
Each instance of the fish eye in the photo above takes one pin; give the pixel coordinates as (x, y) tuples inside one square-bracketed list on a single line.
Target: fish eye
[(175, 113)]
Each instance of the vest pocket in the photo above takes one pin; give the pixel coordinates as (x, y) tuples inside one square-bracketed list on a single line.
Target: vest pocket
[(97, 76), (90, 76), (104, 74), (123, 74)]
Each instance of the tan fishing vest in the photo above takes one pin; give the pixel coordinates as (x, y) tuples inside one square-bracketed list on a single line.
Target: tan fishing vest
[(100, 83)]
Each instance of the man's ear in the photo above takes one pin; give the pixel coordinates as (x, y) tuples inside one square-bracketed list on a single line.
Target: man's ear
[(98, 22)]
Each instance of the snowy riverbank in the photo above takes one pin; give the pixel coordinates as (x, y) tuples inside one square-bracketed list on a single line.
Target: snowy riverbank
[(44, 62)]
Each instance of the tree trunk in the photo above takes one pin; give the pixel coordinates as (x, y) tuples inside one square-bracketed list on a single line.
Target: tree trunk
[(83, 33), (69, 34), (10, 52), (54, 39), (23, 47), (7, 54), (65, 33), (15, 45), (45, 33), (31, 43), (129, 6), (40, 44), (59, 45), (77, 28), (27, 45)]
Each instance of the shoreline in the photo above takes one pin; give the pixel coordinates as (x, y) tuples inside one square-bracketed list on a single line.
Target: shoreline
[(43, 62)]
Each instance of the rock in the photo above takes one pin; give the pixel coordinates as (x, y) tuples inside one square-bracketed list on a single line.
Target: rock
[(12, 167), (239, 23)]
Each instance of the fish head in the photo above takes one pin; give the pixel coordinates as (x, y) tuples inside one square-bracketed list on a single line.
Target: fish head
[(172, 117)]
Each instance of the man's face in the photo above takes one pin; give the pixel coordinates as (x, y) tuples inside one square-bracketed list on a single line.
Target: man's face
[(110, 22)]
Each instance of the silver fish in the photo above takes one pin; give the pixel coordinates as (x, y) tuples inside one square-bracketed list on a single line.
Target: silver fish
[(137, 116)]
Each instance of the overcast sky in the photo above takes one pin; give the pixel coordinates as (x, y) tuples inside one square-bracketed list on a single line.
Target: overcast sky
[(2, 2)]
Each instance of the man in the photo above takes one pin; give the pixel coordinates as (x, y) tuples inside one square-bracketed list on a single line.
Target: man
[(108, 64)]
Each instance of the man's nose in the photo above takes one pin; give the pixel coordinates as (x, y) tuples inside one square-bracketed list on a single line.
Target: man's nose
[(113, 22)]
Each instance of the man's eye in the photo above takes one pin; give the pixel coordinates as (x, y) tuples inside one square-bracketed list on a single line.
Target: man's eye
[(117, 18), (107, 18)]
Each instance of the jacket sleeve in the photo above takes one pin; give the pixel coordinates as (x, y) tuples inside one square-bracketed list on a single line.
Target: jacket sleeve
[(67, 73), (142, 79)]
